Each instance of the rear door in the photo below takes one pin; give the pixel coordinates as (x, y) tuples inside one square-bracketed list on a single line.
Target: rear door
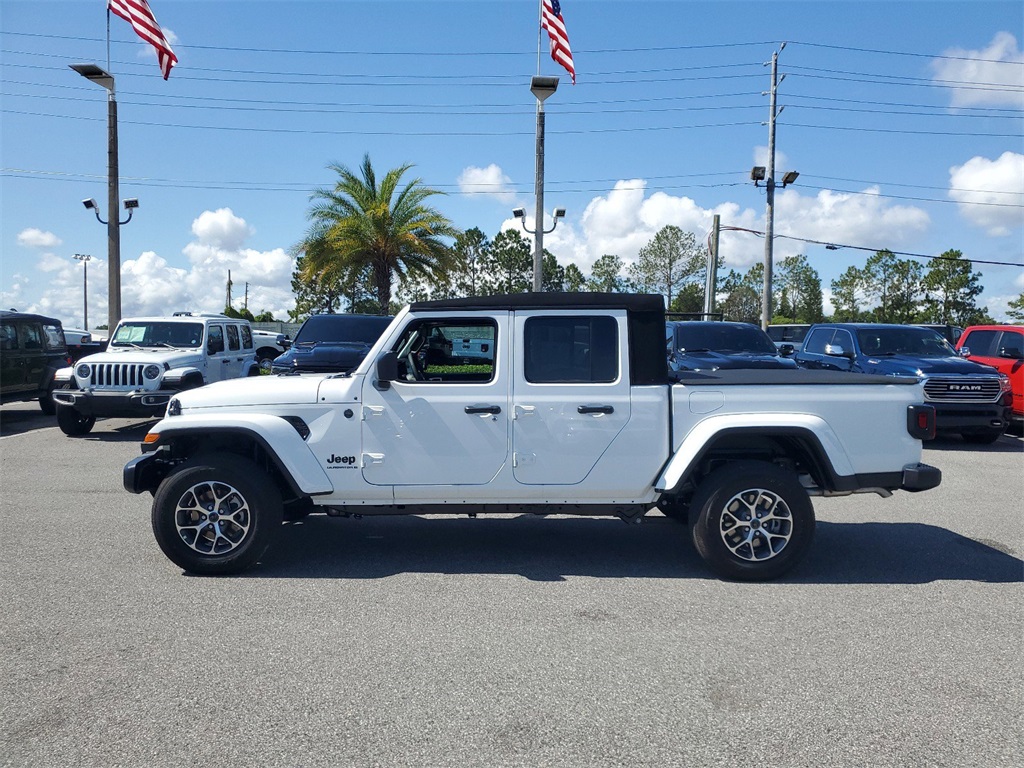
[(218, 362), (570, 394)]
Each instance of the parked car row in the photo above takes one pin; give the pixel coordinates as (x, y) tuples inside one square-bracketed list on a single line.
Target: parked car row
[(977, 386)]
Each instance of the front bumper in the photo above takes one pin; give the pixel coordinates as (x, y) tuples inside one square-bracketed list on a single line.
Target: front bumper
[(123, 404), (920, 477), (970, 417)]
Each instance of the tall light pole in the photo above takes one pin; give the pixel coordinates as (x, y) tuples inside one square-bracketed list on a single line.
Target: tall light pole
[(759, 173), (84, 258), (541, 88), (100, 76)]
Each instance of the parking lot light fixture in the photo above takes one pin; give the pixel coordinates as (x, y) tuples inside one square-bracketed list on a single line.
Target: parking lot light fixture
[(84, 258)]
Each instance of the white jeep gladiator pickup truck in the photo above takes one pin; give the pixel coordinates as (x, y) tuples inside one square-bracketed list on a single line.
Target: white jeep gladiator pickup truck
[(570, 411)]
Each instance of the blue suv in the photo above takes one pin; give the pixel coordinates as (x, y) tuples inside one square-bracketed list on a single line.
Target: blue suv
[(970, 399)]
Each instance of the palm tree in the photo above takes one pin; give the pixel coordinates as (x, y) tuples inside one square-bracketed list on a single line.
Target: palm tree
[(361, 224)]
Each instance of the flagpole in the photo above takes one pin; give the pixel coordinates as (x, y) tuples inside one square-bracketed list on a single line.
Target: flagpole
[(540, 31), (108, 45)]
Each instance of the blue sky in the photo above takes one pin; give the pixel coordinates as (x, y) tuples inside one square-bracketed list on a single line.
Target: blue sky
[(903, 119)]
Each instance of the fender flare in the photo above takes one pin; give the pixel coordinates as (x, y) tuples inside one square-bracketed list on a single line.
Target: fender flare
[(827, 450), (278, 438)]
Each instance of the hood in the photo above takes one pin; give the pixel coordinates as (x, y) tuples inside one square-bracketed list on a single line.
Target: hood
[(253, 391), (323, 357), (714, 361), (905, 365), (175, 358)]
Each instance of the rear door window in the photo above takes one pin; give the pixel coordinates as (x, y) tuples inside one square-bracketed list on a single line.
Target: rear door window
[(233, 343), (571, 349)]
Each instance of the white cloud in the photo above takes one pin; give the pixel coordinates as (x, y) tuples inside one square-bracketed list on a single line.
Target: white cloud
[(990, 192), (992, 76), (490, 181), (36, 238), (781, 160), (222, 229), (626, 219)]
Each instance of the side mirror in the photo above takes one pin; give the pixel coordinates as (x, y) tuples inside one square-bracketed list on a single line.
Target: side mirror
[(786, 350), (284, 341), (1014, 353), (965, 351), (837, 350), (387, 370)]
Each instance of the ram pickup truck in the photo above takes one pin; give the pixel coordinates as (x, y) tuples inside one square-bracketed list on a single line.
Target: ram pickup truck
[(571, 411), (970, 399)]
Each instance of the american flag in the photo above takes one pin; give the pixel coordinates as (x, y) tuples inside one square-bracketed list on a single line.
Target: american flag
[(138, 14), (551, 20)]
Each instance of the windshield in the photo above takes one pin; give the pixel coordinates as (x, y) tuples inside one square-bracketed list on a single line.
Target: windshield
[(342, 328), (158, 334), (722, 337), (916, 342)]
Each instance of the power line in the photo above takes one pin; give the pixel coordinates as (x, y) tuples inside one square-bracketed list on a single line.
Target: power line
[(833, 246), (707, 46)]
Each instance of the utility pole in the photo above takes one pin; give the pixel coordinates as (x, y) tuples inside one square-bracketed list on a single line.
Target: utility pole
[(769, 230), (228, 304), (246, 304), (84, 258), (711, 282)]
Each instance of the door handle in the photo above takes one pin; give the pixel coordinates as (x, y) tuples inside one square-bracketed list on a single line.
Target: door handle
[(523, 410), (495, 409), (595, 409), (225, 362)]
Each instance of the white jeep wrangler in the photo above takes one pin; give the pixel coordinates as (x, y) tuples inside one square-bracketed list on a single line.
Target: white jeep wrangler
[(148, 360)]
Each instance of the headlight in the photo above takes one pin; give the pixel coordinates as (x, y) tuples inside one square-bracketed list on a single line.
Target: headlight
[(1004, 382), (174, 407), (83, 371), (151, 371)]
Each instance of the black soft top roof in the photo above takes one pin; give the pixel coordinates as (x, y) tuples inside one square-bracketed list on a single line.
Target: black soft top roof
[(15, 315), (645, 316), (633, 302)]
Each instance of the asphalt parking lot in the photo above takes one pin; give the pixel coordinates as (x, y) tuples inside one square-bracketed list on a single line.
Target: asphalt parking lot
[(505, 641)]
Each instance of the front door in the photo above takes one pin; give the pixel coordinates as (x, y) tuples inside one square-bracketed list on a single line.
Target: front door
[(445, 421), (570, 396)]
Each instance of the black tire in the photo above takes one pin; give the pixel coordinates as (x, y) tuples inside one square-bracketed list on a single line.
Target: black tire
[(266, 354), (982, 438), (72, 423), (46, 403), (777, 507), (191, 506)]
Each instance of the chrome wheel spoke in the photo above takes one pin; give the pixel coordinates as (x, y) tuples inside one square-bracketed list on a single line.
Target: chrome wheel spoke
[(756, 524), (212, 518)]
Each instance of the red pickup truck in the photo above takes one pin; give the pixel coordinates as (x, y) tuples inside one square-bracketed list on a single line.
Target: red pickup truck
[(1002, 347)]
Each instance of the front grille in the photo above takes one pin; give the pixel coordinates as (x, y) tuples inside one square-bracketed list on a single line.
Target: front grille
[(116, 375), (962, 389)]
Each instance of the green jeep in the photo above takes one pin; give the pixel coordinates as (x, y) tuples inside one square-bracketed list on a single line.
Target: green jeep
[(32, 349)]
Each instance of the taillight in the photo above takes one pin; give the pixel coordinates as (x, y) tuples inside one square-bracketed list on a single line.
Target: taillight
[(921, 421)]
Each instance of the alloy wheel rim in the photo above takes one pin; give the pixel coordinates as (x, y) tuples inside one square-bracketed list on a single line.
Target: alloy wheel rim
[(756, 525), (212, 518)]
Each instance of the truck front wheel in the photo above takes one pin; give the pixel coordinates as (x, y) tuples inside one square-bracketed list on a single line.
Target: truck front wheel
[(216, 515), (72, 423), (754, 521)]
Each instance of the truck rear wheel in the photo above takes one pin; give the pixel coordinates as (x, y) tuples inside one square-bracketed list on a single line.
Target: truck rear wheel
[(216, 514), (754, 521)]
